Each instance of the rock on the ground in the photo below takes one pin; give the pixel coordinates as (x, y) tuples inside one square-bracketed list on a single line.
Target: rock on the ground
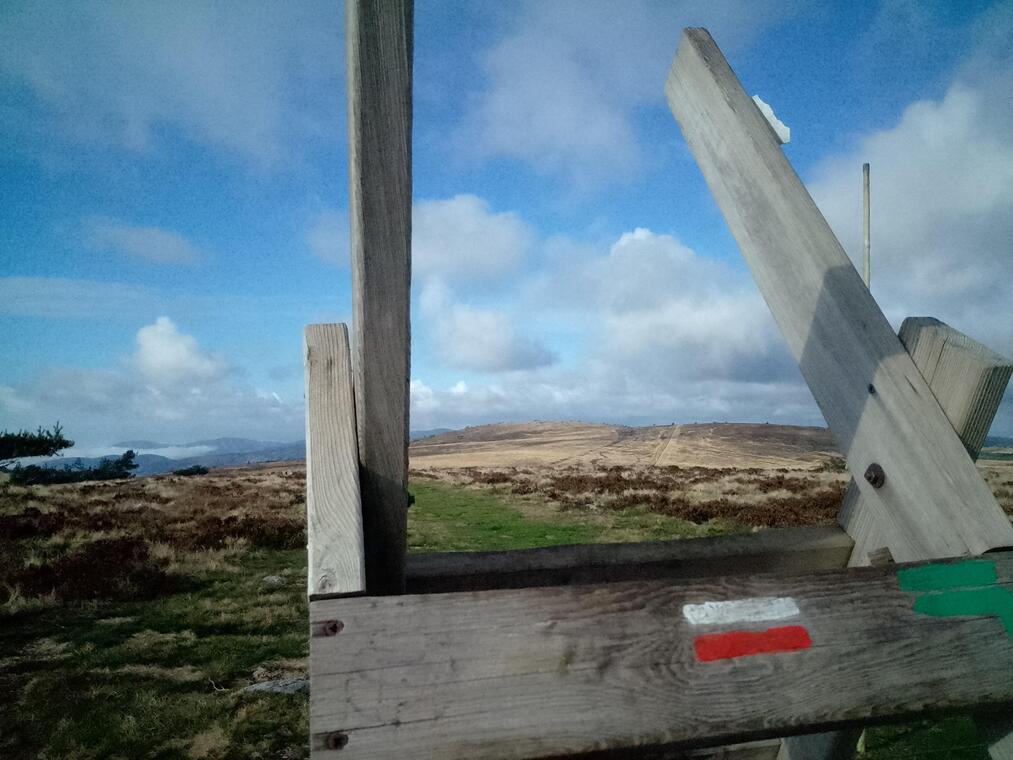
[(273, 581), (282, 686)]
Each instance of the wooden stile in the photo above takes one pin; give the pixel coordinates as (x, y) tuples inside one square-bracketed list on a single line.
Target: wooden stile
[(875, 401), (379, 70), (610, 669), (968, 380), (333, 509)]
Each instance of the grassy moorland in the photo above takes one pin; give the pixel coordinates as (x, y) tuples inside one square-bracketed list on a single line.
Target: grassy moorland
[(133, 613)]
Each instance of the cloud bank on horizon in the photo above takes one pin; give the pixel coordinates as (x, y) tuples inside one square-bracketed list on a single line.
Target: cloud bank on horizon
[(177, 207)]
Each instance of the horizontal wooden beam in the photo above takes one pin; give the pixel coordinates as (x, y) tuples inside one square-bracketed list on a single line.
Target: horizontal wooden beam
[(608, 670), (785, 550)]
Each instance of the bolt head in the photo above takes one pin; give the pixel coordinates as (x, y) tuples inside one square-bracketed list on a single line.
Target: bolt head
[(332, 627), (875, 475)]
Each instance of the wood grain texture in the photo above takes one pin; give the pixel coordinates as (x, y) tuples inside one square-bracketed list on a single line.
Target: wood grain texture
[(968, 380), (875, 401), (786, 550), (333, 509), (379, 70), (609, 668)]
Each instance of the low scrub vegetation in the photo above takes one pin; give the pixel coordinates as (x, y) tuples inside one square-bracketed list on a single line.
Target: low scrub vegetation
[(134, 612), (118, 468)]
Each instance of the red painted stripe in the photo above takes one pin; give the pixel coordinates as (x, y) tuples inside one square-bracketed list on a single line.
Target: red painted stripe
[(724, 646)]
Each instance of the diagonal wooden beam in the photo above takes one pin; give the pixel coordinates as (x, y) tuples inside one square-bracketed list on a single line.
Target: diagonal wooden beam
[(378, 36), (875, 401)]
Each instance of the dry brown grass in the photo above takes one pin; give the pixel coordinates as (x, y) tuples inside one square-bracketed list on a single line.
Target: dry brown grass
[(137, 538), (751, 497)]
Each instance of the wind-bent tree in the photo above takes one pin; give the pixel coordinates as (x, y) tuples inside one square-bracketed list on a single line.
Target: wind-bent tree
[(23, 443)]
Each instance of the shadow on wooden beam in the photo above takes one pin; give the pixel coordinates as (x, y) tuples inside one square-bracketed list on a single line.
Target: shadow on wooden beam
[(785, 550)]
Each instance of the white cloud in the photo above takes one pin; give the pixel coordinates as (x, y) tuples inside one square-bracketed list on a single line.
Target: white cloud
[(565, 82), (667, 335), (151, 243), (942, 208), (482, 340), (167, 357), (169, 389), (462, 239), (661, 312), (328, 237), (238, 76)]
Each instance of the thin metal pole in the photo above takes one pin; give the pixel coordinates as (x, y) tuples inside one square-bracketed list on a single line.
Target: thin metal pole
[(866, 243)]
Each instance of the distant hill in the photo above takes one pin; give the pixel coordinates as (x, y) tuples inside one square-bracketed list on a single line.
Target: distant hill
[(999, 442), (418, 435), (540, 443)]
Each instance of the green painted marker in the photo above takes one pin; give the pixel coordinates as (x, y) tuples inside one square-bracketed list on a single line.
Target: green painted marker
[(988, 601), (942, 577), (949, 591)]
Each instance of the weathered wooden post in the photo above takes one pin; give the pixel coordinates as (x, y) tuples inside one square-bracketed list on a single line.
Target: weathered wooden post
[(378, 36), (335, 562)]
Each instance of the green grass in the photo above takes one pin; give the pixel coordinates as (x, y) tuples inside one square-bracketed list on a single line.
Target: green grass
[(160, 678), (446, 518)]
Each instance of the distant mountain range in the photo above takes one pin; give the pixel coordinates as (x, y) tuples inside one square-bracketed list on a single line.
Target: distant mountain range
[(233, 452), (224, 452)]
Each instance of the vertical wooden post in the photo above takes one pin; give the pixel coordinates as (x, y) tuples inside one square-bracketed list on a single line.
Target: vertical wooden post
[(866, 234), (333, 508), (968, 381), (379, 72)]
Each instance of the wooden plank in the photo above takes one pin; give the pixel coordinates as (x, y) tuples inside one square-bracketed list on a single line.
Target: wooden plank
[(379, 69), (606, 669), (875, 401), (333, 510), (968, 380), (786, 550)]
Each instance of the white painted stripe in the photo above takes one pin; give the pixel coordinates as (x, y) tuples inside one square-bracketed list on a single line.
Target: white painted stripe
[(741, 610)]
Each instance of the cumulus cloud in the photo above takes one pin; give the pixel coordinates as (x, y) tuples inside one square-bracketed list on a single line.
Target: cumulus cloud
[(564, 83), (230, 75), (462, 239), (668, 335), (169, 389), (942, 207), (328, 237), (482, 340), (153, 244), (167, 357)]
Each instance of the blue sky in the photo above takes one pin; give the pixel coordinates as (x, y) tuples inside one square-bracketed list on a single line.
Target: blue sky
[(174, 205)]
